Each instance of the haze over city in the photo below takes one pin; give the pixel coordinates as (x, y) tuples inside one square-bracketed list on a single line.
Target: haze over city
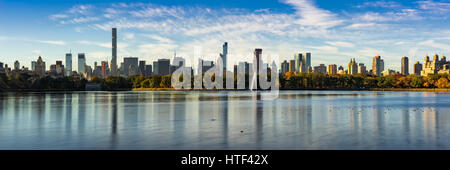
[(332, 31)]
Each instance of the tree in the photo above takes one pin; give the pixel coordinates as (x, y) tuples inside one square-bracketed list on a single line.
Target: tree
[(416, 82), (166, 82), (443, 83)]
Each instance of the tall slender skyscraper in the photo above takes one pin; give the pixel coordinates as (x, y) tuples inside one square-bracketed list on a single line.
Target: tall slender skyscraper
[(405, 68), (81, 64), (224, 55), (68, 64), (307, 60), (298, 60), (114, 52)]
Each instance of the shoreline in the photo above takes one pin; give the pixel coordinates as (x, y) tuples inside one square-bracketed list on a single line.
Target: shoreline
[(217, 90)]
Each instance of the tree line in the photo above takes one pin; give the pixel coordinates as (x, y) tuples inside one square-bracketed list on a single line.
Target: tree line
[(288, 81)]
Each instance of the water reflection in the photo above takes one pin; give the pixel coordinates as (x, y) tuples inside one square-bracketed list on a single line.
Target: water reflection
[(224, 120)]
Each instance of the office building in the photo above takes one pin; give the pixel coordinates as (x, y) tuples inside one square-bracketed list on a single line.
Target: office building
[(68, 64), (292, 65), (284, 67), (362, 68), (82, 64), (377, 66), (332, 69), (405, 67), (223, 56), (142, 67), (130, 66), (417, 68), (39, 68), (320, 69)]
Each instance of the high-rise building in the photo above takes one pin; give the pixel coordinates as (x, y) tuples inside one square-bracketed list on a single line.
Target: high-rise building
[(59, 68), (292, 65), (178, 61), (224, 55), (244, 65), (258, 56), (39, 68), (68, 64), (405, 67), (436, 66), (362, 68), (155, 68), (131, 66), (104, 69), (298, 63), (148, 70), (377, 66), (307, 61), (1, 66), (16, 65), (114, 52), (320, 69), (284, 67), (163, 67), (332, 69), (417, 68), (82, 64), (142, 67), (352, 67)]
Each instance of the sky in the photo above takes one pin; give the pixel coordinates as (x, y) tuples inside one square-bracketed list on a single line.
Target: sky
[(333, 31)]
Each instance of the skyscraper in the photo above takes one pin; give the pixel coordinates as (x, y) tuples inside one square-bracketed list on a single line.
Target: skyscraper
[(224, 55), (258, 64), (320, 69), (163, 67), (376, 66), (332, 69), (39, 67), (362, 68), (352, 67), (284, 67), (130, 66), (417, 68), (298, 63), (104, 69), (405, 67), (68, 64), (114, 52), (81, 64), (142, 67), (16, 65), (292, 65), (307, 61)]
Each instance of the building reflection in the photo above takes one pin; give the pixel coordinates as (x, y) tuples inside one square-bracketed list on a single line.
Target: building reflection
[(114, 110)]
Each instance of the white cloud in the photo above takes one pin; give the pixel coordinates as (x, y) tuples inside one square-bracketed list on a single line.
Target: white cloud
[(310, 15), (50, 42), (81, 9), (340, 44), (380, 4), (432, 43), (434, 7), (58, 16)]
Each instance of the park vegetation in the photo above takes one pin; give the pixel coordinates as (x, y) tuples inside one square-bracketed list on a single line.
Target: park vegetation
[(288, 81)]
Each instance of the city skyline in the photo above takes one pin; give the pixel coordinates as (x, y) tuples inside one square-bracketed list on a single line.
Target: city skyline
[(275, 26)]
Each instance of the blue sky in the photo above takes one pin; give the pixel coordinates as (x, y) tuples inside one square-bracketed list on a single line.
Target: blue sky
[(333, 31)]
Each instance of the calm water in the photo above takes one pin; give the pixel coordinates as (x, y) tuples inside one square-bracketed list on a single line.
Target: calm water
[(225, 120)]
